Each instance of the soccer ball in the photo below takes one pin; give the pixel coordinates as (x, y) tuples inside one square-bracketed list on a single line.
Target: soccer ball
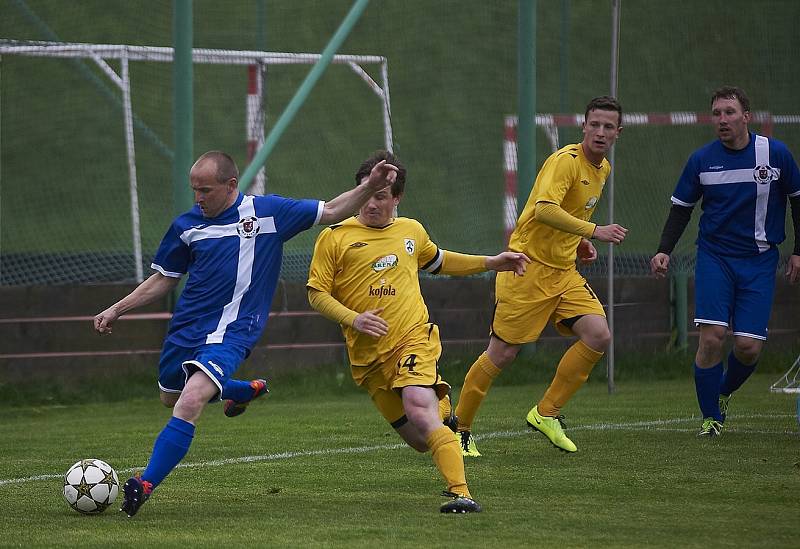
[(91, 486)]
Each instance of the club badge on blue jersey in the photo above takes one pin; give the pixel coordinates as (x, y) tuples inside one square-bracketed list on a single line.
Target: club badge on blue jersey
[(765, 174), (248, 227)]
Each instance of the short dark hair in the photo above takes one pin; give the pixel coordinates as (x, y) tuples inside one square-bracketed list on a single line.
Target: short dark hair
[(732, 92), (604, 103), (366, 167), (226, 166)]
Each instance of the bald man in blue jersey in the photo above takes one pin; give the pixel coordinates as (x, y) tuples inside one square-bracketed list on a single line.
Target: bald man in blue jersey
[(230, 246), (743, 180)]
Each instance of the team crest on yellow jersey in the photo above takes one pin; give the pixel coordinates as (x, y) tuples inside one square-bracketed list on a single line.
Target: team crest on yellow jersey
[(385, 262), (591, 203), (409, 244)]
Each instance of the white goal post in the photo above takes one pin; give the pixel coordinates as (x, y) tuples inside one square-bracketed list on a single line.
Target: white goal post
[(789, 382), (257, 61)]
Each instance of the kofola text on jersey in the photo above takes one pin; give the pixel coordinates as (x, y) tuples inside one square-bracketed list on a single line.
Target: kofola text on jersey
[(381, 291)]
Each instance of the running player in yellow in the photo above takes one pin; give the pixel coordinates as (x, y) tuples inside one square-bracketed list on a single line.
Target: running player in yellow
[(364, 276), (553, 230)]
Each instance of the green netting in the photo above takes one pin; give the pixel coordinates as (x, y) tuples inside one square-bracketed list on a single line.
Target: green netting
[(64, 205)]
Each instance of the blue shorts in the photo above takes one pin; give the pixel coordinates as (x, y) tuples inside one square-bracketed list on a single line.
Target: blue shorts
[(735, 291), (217, 360)]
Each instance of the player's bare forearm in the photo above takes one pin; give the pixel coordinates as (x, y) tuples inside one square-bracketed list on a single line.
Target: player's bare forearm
[(508, 261), (155, 287), (348, 203)]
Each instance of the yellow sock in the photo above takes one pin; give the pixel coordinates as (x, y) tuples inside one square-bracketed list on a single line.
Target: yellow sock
[(572, 372), (445, 407), (477, 383), (446, 453)]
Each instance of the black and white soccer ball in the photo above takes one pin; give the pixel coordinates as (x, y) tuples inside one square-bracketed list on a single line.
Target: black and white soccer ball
[(91, 486)]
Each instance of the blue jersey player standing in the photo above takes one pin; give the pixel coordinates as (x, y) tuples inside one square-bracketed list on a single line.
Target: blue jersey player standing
[(743, 180), (230, 246)]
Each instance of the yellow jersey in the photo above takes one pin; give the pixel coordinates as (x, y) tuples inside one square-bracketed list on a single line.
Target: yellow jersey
[(569, 180), (366, 268)]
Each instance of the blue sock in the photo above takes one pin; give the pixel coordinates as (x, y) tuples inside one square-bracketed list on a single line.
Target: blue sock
[(736, 375), (169, 449), (237, 390), (706, 382)]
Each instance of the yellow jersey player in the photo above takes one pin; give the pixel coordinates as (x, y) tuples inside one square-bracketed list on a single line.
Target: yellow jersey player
[(364, 276), (553, 230)]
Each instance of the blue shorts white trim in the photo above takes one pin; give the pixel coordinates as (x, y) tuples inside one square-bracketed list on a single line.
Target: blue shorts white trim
[(218, 361), (735, 292)]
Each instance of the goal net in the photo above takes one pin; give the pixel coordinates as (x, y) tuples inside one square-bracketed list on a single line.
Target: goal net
[(86, 137)]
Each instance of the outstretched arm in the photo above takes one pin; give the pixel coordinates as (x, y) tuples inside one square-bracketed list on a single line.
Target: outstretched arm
[(458, 264), (508, 261), (348, 203), (153, 288)]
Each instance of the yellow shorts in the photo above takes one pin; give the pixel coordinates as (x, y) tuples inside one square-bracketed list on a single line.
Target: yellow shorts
[(413, 362), (524, 304)]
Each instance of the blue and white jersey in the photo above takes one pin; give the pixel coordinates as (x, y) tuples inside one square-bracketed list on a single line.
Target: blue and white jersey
[(233, 261), (744, 195)]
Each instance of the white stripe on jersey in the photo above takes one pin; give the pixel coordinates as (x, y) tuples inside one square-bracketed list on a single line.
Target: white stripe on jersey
[(682, 203), (747, 176), (762, 195), (165, 272), (437, 262), (244, 271), (320, 209), (266, 224), (725, 177)]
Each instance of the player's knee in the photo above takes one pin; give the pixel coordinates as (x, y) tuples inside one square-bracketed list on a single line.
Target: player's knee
[(502, 355), (710, 343), (599, 339), (190, 404), (747, 350)]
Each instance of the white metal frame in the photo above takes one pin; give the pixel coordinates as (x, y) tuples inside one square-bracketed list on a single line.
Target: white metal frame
[(789, 382), (99, 53)]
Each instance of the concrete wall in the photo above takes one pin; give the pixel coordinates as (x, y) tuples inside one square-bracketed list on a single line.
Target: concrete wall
[(47, 331)]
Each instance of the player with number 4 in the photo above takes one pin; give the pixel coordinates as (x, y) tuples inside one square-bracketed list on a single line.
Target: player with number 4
[(364, 276)]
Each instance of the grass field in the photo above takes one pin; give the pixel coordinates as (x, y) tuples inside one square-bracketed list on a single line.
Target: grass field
[(326, 471)]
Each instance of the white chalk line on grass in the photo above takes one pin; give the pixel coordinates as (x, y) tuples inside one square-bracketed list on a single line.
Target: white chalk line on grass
[(654, 425)]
